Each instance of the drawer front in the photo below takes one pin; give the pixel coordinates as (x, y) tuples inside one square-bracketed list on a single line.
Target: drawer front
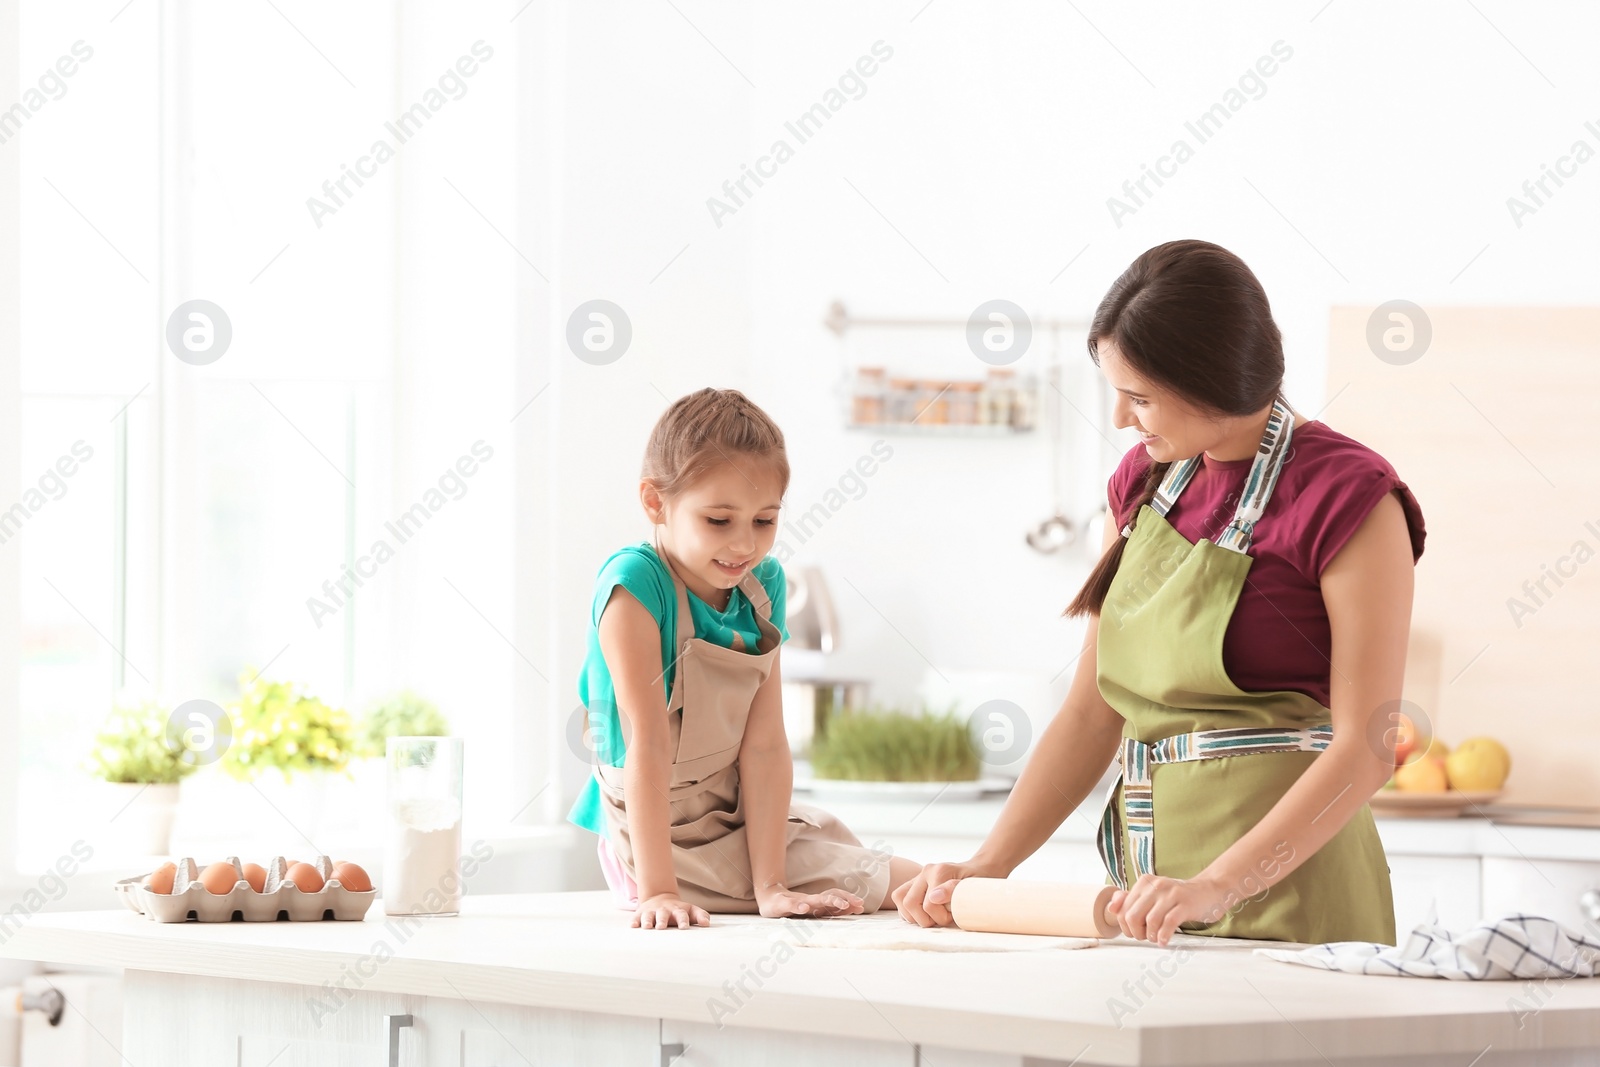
[(1550, 888), (1452, 883)]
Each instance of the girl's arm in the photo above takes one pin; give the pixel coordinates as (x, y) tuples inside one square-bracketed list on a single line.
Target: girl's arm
[(766, 778), (766, 781), (630, 640)]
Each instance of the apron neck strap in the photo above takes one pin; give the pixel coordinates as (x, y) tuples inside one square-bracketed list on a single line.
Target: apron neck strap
[(756, 593), (685, 622), (749, 584), (1258, 485)]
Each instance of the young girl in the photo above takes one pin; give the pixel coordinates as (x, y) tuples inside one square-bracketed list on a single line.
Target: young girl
[(691, 787)]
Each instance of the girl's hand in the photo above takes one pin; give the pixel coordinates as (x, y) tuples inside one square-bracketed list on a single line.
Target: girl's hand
[(664, 909), (778, 902), (1153, 908), (925, 900)]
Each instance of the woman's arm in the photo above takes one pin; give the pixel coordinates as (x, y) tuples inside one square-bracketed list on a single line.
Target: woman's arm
[(1074, 751), (766, 781), (1071, 755), (630, 640), (1367, 588)]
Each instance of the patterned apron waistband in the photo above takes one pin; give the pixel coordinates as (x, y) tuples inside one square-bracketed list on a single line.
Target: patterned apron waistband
[(1138, 759)]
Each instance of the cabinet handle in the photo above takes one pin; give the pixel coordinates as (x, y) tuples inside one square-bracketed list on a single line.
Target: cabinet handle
[(49, 1001), (396, 1024)]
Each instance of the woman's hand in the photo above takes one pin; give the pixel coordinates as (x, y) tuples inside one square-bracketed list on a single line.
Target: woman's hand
[(664, 909), (1153, 908), (777, 902), (925, 899)]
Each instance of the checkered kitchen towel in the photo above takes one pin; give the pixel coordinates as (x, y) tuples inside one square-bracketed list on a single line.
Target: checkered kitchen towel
[(1511, 947)]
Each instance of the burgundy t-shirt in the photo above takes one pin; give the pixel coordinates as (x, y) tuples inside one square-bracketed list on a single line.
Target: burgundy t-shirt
[(1279, 637)]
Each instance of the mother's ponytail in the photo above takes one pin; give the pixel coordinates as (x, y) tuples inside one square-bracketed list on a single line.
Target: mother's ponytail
[(1190, 317), (1093, 593)]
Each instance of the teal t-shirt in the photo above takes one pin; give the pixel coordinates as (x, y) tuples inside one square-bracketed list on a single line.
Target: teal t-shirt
[(640, 571)]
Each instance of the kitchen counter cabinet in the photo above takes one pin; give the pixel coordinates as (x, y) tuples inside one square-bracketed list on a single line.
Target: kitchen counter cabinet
[(561, 978), (253, 1024)]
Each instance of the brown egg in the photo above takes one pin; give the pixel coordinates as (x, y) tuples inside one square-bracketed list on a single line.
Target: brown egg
[(256, 875), (351, 876), (219, 878), (304, 876), (160, 880)]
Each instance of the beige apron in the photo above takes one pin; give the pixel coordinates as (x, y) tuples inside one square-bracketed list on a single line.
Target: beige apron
[(712, 691)]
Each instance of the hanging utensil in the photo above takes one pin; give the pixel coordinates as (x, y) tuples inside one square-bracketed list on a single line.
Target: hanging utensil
[(1058, 531)]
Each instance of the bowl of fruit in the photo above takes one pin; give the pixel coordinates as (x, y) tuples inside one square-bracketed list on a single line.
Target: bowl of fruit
[(1431, 780)]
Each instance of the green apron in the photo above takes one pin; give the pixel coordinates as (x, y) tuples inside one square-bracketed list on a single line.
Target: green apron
[(1225, 756)]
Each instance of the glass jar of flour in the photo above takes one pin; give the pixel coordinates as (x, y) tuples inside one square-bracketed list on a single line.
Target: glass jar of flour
[(422, 856)]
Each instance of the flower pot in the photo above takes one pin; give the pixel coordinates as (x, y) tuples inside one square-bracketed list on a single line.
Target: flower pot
[(144, 816)]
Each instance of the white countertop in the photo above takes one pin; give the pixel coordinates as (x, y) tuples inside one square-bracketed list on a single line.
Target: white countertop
[(575, 951)]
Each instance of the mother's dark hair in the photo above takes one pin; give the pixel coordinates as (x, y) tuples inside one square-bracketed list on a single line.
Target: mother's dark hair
[(1191, 318)]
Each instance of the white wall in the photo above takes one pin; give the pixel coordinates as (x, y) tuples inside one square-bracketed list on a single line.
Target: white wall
[(11, 420), (1375, 165), (977, 165), (632, 126)]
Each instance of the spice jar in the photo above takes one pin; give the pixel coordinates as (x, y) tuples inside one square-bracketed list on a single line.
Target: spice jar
[(901, 405), (867, 402), (1024, 404), (934, 406), (963, 397), (998, 387)]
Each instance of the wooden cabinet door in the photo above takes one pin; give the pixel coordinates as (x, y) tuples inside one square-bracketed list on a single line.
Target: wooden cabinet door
[(1537, 886), (184, 1019), (705, 1045), (461, 1033)]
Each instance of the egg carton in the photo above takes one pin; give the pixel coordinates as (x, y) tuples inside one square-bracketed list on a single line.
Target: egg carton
[(279, 899)]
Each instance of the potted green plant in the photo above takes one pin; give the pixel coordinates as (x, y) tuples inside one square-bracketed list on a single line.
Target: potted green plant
[(402, 714), (881, 745), (139, 753), (279, 727)]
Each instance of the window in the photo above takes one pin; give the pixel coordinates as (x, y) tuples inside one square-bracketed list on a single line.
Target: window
[(217, 504)]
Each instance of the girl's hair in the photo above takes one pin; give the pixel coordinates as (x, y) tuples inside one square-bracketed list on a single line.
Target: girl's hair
[(1190, 317), (708, 428)]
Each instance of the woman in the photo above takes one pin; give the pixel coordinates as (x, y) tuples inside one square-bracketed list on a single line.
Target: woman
[(1246, 641)]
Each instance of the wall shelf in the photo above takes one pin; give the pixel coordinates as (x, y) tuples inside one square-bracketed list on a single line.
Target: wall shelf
[(840, 321)]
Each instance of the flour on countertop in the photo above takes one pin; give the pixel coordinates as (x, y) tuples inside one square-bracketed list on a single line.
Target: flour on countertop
[(886, 932)]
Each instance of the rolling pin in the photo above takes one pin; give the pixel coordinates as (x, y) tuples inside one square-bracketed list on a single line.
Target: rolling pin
[(1004, 906)]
